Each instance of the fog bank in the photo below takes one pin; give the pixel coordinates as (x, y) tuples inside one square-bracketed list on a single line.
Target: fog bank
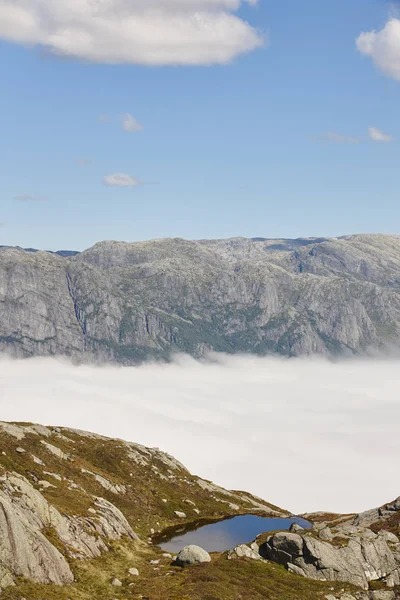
[(305, 434)]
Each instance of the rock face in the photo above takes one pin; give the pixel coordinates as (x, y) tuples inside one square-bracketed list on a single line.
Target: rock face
[(363, 557), (26, 552), (128, 302), (192, 555)]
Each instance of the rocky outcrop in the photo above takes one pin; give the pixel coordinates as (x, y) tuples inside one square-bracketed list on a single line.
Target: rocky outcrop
[(25, 551), (24, 517), (359, 558), (378, 516), (128, 302)]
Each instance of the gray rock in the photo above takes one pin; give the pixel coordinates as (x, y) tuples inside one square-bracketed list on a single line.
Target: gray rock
[(388, 536), (134, 572), (325, 534), (382, 595), (191, 555), (26, 552), (116, 582), (296, 571), (361, 561), (295, 527), (179, 514), (243, 551)]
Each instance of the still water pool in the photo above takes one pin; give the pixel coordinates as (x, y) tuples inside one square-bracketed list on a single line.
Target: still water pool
[(223, 535)]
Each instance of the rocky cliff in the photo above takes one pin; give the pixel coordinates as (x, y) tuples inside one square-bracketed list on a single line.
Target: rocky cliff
[(128, 302)]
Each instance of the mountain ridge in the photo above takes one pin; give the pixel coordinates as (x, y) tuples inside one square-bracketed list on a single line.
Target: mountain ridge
[(128, 302)]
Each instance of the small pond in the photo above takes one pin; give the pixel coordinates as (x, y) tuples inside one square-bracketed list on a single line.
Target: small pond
[(222, 535)]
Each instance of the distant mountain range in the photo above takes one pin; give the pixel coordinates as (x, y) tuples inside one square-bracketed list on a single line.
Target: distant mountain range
[(128, 302), (65, 253)]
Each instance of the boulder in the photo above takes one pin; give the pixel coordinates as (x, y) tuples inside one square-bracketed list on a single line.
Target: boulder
[(388, 536), (191, 555), (243, 551), (283, 548), (325, 534), (382, 595)]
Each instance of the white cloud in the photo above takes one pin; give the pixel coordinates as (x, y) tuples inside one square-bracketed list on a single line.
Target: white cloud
[(378, 136), (28, 198), (383, 47), (130, 124), (306, 434), (121, 180), (148, 32), (331, 136)]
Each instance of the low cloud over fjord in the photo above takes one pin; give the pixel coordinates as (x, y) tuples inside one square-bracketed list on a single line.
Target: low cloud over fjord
[(306, 434)]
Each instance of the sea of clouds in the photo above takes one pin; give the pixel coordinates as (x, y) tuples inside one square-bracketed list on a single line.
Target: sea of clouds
[(305, 434)]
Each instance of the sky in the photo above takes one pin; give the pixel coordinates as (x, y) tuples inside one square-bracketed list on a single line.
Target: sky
[(198, 119), (304, 434)]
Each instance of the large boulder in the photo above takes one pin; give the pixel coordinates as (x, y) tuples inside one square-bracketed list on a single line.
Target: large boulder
[(191, 555)]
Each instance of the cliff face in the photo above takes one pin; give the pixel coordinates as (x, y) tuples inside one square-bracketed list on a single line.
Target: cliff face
[(128, 302)]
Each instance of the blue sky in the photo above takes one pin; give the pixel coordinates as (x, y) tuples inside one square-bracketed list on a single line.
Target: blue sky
[(276, 142)]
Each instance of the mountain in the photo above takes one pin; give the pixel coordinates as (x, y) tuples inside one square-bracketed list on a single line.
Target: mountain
[(128, 302), (80, 514)]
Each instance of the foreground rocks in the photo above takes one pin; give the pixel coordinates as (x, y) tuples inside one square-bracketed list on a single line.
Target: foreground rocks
[(192, 555), (365, 557)]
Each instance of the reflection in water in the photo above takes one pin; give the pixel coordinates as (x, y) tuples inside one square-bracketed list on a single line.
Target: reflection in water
[(224, 535)]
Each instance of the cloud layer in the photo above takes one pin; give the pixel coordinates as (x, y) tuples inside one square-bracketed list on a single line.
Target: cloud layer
[(148, 32), (383, 47), (304, 434)]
